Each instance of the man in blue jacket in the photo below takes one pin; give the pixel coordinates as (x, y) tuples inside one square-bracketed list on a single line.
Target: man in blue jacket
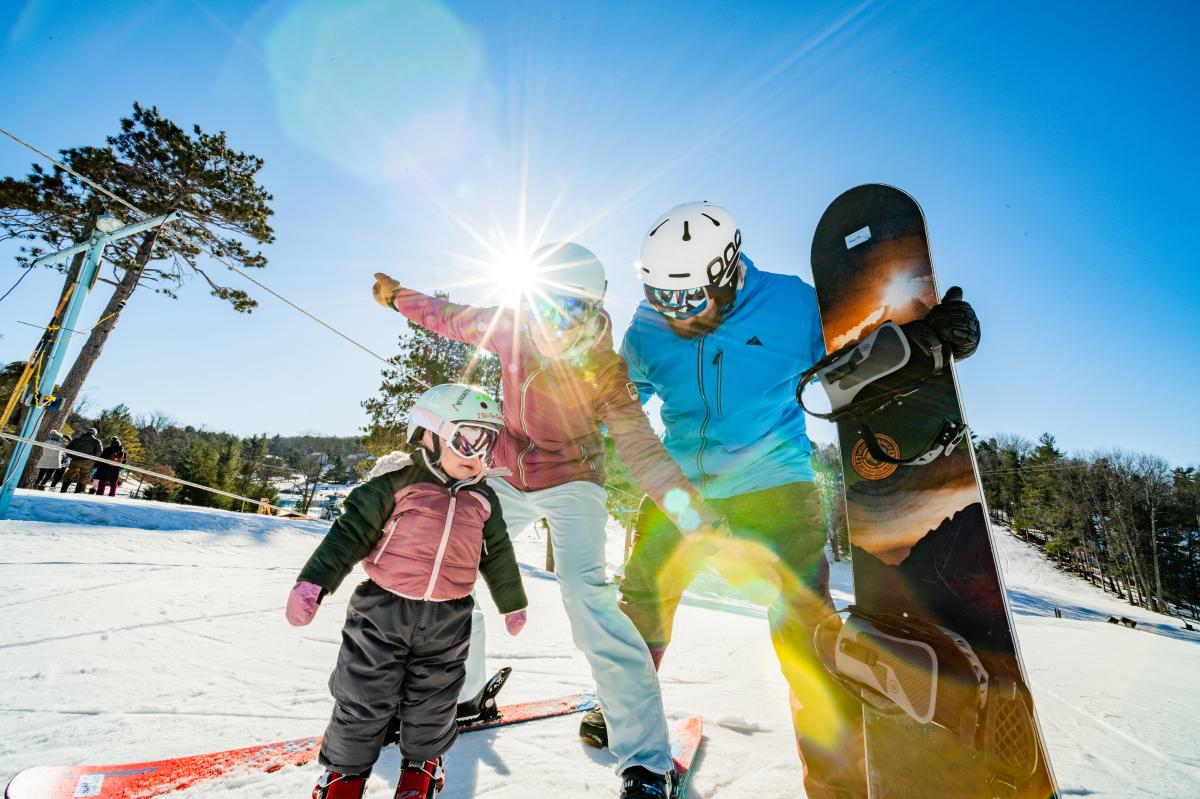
[(724, 344)]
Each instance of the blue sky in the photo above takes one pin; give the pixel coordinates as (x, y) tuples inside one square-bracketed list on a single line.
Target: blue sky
[(1050, 144)]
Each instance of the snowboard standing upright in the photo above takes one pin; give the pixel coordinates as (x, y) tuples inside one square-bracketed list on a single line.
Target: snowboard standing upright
[(930, 639)]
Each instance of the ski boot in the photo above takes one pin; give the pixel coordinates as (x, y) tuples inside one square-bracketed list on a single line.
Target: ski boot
[(420, 779), (335, 785), (593, 729), (641, 783)]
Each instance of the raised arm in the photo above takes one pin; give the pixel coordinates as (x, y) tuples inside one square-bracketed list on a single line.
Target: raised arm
[(480, 327)]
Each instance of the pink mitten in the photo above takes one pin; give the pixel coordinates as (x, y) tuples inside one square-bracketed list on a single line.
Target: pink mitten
[(302, 603), (514, 621)]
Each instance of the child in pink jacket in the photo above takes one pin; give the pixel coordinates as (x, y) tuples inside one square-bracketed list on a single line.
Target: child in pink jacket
[(422, 533)]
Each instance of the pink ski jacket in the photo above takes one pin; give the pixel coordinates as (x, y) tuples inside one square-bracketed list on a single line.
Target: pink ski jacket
[(553, 410), (422, 536)]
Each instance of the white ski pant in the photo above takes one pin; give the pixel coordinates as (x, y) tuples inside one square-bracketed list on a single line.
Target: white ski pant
[(626, 682)]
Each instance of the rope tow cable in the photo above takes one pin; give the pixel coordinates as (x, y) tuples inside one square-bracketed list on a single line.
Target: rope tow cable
[(211, 490)]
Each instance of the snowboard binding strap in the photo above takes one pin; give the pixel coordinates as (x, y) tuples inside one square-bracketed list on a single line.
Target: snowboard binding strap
[(897, 664), (867, 376)]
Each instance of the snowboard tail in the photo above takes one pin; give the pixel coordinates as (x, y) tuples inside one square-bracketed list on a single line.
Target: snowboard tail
[(933, 676), (161, 777), (932, 651)]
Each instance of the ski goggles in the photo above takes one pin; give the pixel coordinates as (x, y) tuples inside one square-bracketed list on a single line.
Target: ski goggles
[(472, 440), (563, 313), (678, 303)]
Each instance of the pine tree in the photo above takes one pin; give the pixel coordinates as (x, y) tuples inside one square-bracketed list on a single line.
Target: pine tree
[(158, 167), (827, 462), (118, 421), (229, 453), (199, 465)]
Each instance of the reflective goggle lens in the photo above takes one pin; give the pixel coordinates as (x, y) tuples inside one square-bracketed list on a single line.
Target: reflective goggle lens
[(562, 313), (473, 441), (678, 303)]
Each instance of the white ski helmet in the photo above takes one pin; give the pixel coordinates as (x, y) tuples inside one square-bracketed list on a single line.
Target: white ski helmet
[(567, 269), (693, 245), (442, 408)]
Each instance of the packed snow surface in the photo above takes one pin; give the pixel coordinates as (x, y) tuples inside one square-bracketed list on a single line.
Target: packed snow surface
[(134, 631)]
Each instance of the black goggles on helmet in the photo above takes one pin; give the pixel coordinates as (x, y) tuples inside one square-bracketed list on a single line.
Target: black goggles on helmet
[(678, 303), (563, 313), (472, 440)]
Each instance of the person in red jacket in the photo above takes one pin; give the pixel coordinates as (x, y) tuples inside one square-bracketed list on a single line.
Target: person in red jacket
[(561, 382)]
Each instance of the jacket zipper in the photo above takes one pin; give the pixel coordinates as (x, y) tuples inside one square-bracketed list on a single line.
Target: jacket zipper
[(525, 428), (383, 547), (707, 412), (441, 553), (719, 361)]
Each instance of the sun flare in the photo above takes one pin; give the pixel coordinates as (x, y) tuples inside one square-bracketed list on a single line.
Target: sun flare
[(513, 276)]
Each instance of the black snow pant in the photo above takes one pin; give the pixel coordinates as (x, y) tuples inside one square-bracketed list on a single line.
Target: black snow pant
[(44, 477), (399, 658), (775, 556)]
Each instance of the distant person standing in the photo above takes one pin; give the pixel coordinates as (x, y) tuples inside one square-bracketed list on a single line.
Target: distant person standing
[(80, 471), (50, 462), (66, 461), (109, 474)]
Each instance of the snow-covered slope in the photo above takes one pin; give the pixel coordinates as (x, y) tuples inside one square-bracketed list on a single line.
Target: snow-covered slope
[(136, 630)]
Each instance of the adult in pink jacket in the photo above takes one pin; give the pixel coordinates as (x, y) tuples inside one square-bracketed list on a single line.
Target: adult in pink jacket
[(562, 382)]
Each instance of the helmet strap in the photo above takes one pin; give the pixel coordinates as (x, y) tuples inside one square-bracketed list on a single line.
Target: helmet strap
[(433, 460)]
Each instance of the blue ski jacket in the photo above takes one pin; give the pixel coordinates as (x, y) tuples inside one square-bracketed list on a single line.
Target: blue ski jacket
[(729, 398)]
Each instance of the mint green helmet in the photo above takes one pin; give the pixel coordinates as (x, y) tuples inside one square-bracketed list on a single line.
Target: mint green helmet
[(442, 408), (567, 269)]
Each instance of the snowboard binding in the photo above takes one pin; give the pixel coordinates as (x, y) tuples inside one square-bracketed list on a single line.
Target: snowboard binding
[(867, 376), (482, 707), (479, 709), (898, 664)]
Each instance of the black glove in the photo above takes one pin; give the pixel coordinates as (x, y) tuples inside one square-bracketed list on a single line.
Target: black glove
[(953, 320)]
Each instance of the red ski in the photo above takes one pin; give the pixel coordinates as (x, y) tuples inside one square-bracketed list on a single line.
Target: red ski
[(685, 740), (160, 777)]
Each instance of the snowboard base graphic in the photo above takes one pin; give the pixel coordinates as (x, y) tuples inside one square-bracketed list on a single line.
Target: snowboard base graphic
[(947, 707)]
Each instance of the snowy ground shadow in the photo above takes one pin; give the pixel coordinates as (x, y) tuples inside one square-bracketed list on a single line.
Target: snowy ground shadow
[(1028, 604)]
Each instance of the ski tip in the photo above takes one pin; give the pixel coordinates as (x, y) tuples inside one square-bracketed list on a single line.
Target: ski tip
[(690, 729), (32, 783), (685, 741)]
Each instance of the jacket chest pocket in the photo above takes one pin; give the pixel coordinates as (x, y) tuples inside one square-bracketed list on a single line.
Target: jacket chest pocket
[(465, 545), (415, 524)]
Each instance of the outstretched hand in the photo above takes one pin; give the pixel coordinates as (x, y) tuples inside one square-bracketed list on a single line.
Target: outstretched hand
[(385, 289)]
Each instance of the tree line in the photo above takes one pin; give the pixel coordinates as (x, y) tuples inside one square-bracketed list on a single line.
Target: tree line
[(256, 466), (1126, 521)]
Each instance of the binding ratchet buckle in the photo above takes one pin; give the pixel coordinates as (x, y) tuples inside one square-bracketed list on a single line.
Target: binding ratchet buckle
[(865, 377)]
